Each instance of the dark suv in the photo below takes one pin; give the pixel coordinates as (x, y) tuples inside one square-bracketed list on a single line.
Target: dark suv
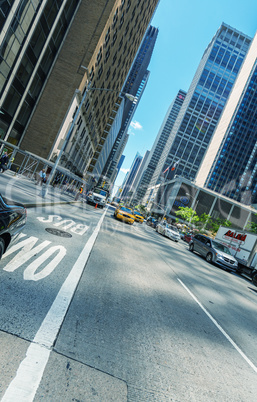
[(213, 251)]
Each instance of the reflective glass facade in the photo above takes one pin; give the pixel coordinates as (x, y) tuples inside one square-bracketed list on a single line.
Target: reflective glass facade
[(205, 100), (126, 187), (24, 65), (156, 155), (234, 172)]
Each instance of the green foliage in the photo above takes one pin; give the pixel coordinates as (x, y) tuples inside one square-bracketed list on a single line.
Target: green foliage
[(188, 214), (140, 208), (215, 224), (204, 218), (204, 221), (251, 226)]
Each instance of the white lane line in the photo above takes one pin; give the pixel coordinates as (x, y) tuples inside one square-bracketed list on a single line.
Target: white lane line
[(24, 386), (220, 328)]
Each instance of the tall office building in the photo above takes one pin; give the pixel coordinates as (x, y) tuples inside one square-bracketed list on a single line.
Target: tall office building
[(43, 45), (230, 164), (205, 100), (139, 174), (122, 136), (127, 186), (49, 49), (116, 55), (135, 85), (120, 163), (159, 145)]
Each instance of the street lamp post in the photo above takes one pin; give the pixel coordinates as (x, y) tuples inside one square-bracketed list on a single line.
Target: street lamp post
[(132, 98), (195, 203), (163, 209)]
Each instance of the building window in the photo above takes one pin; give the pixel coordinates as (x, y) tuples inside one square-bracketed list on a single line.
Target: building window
[(114, 37), (107, 37), (115, 18), (107, 55), (121, 20), (99, 56)]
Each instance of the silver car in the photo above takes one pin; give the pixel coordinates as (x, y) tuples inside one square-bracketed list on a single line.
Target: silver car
[(168, 230), (213, 251)]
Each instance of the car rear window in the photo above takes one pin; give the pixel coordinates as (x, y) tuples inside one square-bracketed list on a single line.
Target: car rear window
[(126, 210)]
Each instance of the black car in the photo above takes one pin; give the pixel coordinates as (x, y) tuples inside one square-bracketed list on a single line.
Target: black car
[(13, 218), (151, 222)]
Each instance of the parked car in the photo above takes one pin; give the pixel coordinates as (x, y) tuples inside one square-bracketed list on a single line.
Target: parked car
[(138, 216), (124, 214), (213, 251), (188, 237), (13, 218), (151, 221), (167, 230), (97, 197), (114, 204)]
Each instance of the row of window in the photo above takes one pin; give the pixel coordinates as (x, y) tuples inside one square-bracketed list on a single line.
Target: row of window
[(224, 58), (125, 59), (29, 61), (15, 37), (118, 73), (215, 83)]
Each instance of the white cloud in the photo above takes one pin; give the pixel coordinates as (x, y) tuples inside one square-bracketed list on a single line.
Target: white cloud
[(136, 125), (124, 170)]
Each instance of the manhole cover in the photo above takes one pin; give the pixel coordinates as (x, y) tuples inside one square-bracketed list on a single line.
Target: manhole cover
[(58, 232)]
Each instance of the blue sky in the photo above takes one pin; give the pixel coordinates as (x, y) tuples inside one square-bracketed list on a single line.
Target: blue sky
[(185, 29)]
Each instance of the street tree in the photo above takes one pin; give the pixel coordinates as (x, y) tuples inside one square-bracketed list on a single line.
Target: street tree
[(204, 219), (215, 224), (252, 226), (188, 214)]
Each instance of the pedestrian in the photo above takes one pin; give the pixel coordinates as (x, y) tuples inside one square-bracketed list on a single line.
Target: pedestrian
[(10, 163), (78, 193), (4, 162), (41, 177)]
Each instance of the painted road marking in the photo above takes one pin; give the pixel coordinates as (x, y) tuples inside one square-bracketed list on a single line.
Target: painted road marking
[(77, 228), (220, 328), (28, 251), (24, 386)]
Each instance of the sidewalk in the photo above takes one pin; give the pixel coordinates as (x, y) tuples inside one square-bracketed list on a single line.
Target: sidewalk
[(22, 189)]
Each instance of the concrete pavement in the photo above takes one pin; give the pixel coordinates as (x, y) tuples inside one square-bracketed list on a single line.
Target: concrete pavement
[(22, 189)]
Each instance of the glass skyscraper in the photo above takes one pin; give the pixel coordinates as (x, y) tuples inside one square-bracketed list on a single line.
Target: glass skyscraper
[(156, 154), (126, 189), (205, 101), (230, 164)]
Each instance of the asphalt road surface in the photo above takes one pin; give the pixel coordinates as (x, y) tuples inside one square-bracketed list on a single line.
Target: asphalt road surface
[(93, 309)]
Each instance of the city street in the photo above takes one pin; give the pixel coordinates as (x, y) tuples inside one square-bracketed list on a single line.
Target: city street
[(114, 116), (93, 309)]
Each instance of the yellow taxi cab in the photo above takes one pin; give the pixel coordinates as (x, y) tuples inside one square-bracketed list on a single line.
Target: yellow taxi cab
[(124, 214), (138, 217)]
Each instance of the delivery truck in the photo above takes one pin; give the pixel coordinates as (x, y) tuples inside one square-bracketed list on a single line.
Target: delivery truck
[(243, 246)]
